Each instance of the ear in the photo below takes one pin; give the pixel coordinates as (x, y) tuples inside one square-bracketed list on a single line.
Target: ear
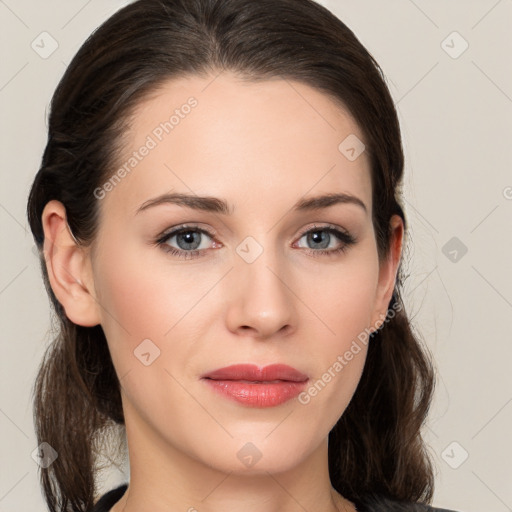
[(387, 273), (69, 269)]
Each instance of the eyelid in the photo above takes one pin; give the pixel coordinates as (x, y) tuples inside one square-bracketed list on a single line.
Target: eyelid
[(323, 225), (184, 227)]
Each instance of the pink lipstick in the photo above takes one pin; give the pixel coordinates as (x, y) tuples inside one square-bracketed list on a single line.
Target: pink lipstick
[(257, 387)]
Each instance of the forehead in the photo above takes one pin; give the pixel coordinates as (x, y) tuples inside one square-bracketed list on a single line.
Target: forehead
[(250, 142)]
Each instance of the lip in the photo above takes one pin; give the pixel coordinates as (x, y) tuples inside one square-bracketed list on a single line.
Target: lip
[(253, 386)]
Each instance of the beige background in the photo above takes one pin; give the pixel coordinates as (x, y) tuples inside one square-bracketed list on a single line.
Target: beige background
[(455, 109)]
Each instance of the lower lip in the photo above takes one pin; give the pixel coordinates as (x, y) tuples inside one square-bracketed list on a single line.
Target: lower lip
[(257, 394)]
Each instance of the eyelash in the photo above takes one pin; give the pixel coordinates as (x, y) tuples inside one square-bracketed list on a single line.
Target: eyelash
[(346, 239)]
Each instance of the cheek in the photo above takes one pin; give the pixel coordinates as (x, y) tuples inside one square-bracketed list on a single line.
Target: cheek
[(143, 298), (342, 302), (135, 302), (342, 299), (125, 294), (143, 311)]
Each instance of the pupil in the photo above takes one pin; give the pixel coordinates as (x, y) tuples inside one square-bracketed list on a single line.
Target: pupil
[(319, 237), (188, 237)]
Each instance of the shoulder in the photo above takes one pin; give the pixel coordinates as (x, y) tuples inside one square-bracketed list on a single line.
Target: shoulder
[(382, 504), (109, 499)]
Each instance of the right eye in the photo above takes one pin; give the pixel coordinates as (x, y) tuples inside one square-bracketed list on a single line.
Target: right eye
[(188, 239)]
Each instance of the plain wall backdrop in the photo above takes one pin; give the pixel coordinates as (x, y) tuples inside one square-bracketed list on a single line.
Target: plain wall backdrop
[(448, 67)]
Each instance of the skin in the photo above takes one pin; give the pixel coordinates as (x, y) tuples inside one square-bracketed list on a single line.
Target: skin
[(261, 147)]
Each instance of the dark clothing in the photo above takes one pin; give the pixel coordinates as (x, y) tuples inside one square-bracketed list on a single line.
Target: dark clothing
[(368, 505), (109, 499)]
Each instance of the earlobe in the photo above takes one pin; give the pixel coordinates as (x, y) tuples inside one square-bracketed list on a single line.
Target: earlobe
[(388, 273), (68, 268)]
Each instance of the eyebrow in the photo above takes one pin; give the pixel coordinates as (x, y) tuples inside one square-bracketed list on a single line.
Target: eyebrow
[(216, 205)]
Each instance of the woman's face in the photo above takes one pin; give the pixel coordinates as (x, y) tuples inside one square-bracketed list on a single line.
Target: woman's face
[(263, 281)]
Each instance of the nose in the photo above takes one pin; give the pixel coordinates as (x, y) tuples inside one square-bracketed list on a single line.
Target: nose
[(262, 303)]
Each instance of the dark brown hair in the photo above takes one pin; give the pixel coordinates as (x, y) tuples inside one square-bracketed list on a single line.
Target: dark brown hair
[(376, 447)]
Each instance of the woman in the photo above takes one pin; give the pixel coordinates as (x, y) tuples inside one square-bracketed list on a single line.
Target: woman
[(198, 152)]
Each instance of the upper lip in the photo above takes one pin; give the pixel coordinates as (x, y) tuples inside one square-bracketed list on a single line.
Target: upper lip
[(255, 373)]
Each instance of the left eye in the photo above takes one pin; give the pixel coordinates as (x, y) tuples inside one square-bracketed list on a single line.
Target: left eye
[(322, 237)]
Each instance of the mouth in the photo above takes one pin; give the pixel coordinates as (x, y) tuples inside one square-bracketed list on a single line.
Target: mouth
[(253, 386)]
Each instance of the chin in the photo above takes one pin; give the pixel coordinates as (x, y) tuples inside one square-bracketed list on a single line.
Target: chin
[(258, 456)]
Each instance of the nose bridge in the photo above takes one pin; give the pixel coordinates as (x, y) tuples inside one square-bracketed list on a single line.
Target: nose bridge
[(261, 298)]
